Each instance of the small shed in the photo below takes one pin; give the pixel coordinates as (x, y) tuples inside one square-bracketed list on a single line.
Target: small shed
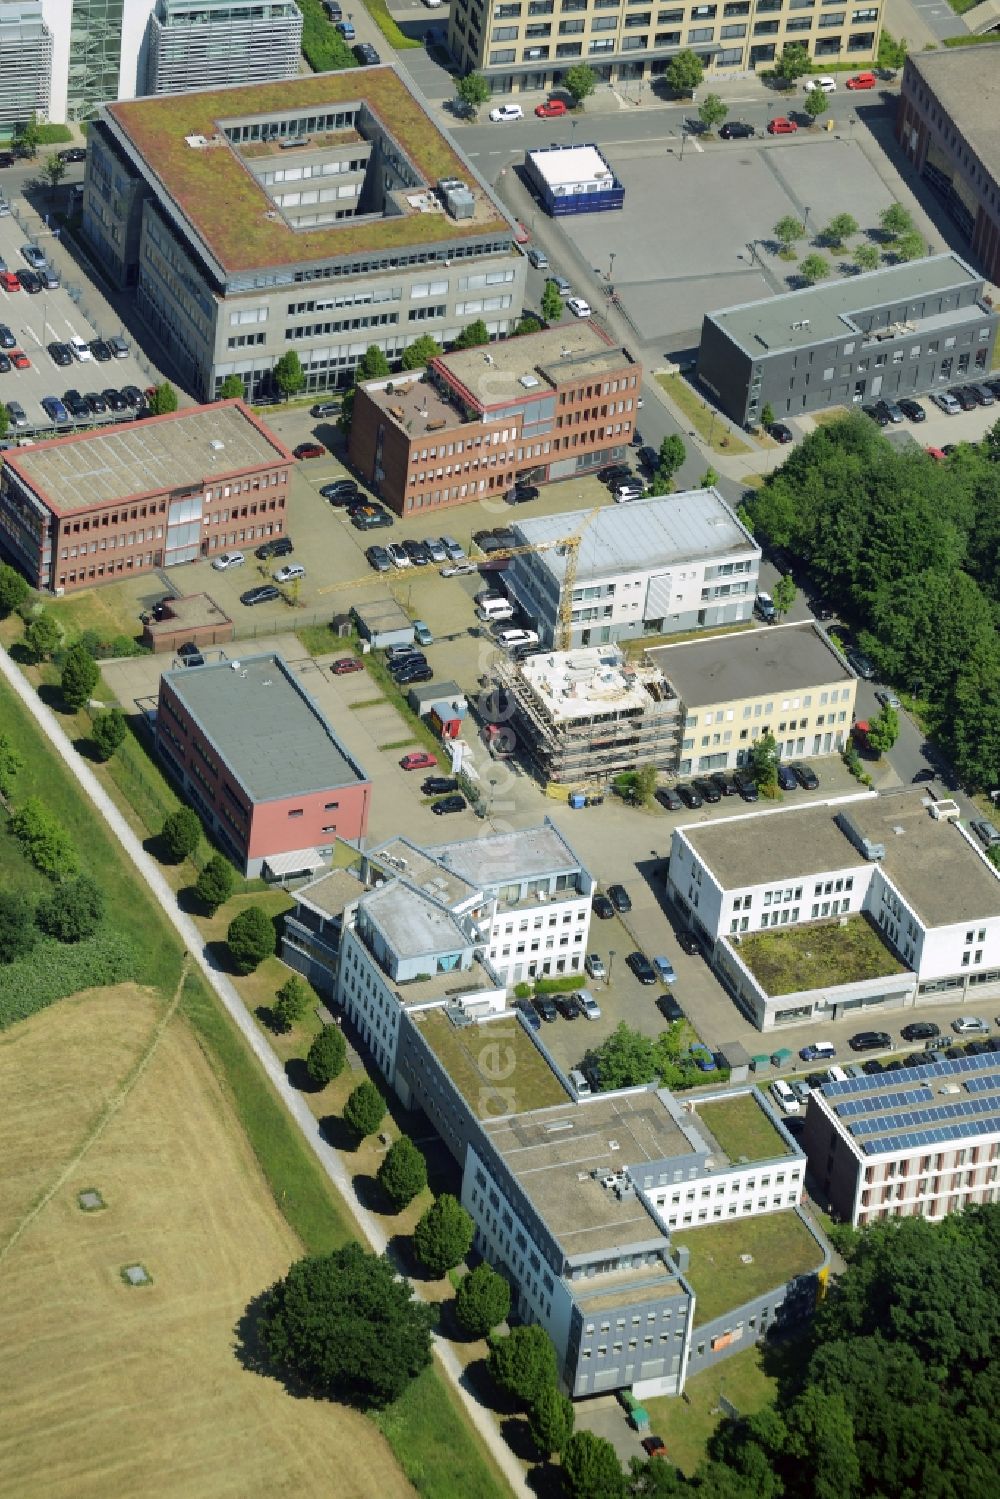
[(736, 1057), (383, 623), (574, 179), (424, 695), (174, 621), (446, 720)]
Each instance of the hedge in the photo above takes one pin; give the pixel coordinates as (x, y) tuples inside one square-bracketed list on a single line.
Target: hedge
[(52, 970), (324, 48)]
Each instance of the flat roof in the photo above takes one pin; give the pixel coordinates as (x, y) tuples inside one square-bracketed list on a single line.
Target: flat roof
[(498, 858), (568, 165), (588, 682), (966, 83), (232, 214), (771, 660), (734, 1261), (643, 536), (564, 1158), (798, 319), (332, 892), (422, 869), (515, 368), (272, 736), (194, 446), (192, 611), (494, 1064), (626, 1287), (413, 924), (918, 1107)]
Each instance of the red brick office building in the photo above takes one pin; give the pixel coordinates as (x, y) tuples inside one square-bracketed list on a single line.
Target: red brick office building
[(545, 406), (257, 759), (93, 506)]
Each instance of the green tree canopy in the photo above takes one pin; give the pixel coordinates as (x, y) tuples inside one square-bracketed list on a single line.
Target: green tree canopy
[(163, 400), (625, 1059), (840, 227), (214, 885), (364, 1109), (327, 1055), (72, 912), (784, 593), (402, 1174), (684, 72), (180, 834), (418, 354), (55, 171), (18, 933), (44, 840), (482, 1301), (14, 590), (472, 335), (292, 1001), (347, 1326), (580, 81), (866, 257), (232, 388), (817, 103), (372, 365), (591, 1468), (767, 415), (896, 220), (250, 939), (550, 1420), (444, 1235), (911, 246), (108, 732), (472, 90), (883, 731), (42, 635), (552, 303), (788, 229), (815, 267), (763, 763), (289, 376), (524, 1363), (793, 63), (671, 456), (528, 324), (78, 677), (712, 111), (28, 134)]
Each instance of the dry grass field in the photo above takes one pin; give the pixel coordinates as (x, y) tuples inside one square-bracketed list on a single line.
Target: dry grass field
[(111, 1390)]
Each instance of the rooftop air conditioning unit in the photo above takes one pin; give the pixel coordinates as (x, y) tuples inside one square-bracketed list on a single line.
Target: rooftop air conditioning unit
[(456, 197)]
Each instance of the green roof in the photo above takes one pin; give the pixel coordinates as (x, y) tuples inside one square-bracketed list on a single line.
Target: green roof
[(818, 955), (742, 1128), (495, 1066), (779, 1246)]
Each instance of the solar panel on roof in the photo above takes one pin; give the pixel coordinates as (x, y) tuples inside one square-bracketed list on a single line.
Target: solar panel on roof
[(886, 1101), (894, 1144)]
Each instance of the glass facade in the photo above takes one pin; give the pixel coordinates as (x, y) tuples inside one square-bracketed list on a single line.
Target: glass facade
[(95, 44)]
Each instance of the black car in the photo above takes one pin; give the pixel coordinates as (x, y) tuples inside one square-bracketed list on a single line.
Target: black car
[(641, 967), (877, 415), (688, 942), (100, 350), (913, 410), (417, 552), (546, 1008), (620, 899), (872, 1068), (602, 907), (568, 1006), (190, 654), (525, 493), (689, 796), (60, 354), (527, 1010), (920, 1030), (379, 559), (649, 459), (265, 594), (341, 492), (7, 339), (439, 785), (366, 55), (449, 804), (707, 789), (5, 365), (116, 401), (870, 1041), (96, 402), (133, 397), (746, 786), (963, 395), (669, 1008), (278, 546), (370, 519), (780, 433), (410, 657), (612, 473), (416, 674), (736, 130), (7, 158), (73, 153), (29, 282), (805, 776), (486, 541), (669, 799), (787, 779), (723, 782), (75, 404)]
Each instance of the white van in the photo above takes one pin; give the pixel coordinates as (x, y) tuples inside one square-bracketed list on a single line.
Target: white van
[(579, 1083), (491, 609), (836, 1075), (783, 1095)]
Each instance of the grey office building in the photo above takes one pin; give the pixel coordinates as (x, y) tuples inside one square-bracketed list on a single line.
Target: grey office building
[(196, 44), (319, 214), (907, 330), (25, 62)]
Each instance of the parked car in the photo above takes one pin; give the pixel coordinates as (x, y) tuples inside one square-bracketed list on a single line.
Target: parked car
[(504, 114), (60, 354), (578, 306), (278, 546), (602, 907), (654, 1446), (72, 154), (669, 799), (98, 405), (525, 493), (421, 633), (763, 607), (787, 779), (54, 409), (7, 339), (861, 663), (985, 832), (75, 404), (528, 1013), (458, 569), (784, 1097), (594, 965), (620, 899), (870, 1041), (345, 665), (448, 804), (324, 408), (781, 433), (591, 1009), (736, 130), (612, 473), (641, 967), (419, 671), (689, 796), (546, 1008), (228, 560), (781, 125), (723, 782), (366, 55), (664, 970), (418, 760), (568, 1006), (516, 637), (877, 415), (892, 410), (17, 414), (133, 396), (265, 593), (970, 1025), (434, 549), (33, 255), (341, 492), (290, 573), (824, 84), (920, 1030), (550, 109), (963, 395), (626, 490), (190, 655), (80, 349), (805, 775), (818, 1051), (707, 789), (561, 285), (861, 80), (912, 409), (29, 282), (947, 402), (668, 1007), (310, 450), (537, 258), (439, 785)]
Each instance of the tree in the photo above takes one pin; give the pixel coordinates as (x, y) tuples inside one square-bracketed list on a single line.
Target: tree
[(788, 230), (911, 246), (528, 324), (671, 456), (708, 478), (326, 1056), (4, 420), (684, 72), (840, 227), (14, 589), (44, 840), (891, 54), (364, 1109), (763, 763), (288, 374), (403, 1172), (591, 1468), (10, 764), (72, 912), (793, 63), (524, 1363), (895, 220), (473, 90), (443, 1237), (55, 171), (767, 415), (28, 135), (232, 388), (18, 933), (78, 677), (552, 303), (372, 365), (420, 352), (214, 885), (180, 834), (291, 1001), (163, 400), (472, 335), (550, 1421), (580, 80), (42, 635), (816, 104), (482, 1302), (108, 731), (866, 258), (815, 267), (712, 111), (625, 1059), (251, 939), (347, 1326), (645, 784), (883, 731), (784, 593)]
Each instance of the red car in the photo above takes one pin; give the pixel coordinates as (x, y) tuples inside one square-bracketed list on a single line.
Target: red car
[(418, 760), (938, 454), (310, 450), (346, 664), (9, 281), (863, 80), (19, 359), (781, 125), (551, 109)]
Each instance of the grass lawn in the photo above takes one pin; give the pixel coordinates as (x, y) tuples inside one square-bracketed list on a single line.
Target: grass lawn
[(780, 1245), (110, 610), (809, 957), (686, 1425), (829, 416), (706, 422), (437, 1447), (742, 1128), (323, 640), (477, 1055)]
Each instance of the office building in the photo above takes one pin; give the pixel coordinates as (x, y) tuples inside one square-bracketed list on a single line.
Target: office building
[(25, 63), (859, 905), (527, 46), (920, 1143), (907, 330), (785, 680), (99, 53), (605, 1213), (198, 44), (947, 127), (318, 215), (104, 504), (259, 762), (544, 406), (650, 567)]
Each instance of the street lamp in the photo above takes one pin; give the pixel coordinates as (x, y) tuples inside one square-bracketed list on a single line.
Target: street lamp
[(611, 264), (805, 222), (611, 964)]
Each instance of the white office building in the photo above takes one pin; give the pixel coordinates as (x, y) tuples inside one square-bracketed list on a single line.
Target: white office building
[(197, 44), (25, 62)]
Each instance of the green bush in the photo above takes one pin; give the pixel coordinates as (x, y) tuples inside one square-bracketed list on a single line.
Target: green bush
[(51, 971), (43, 840), (73, 912), (379, 12), (323, 48), (251, 939), (522, 990), (564, 985)]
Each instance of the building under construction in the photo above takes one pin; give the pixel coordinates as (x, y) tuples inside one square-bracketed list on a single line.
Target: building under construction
[(588, 714)]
